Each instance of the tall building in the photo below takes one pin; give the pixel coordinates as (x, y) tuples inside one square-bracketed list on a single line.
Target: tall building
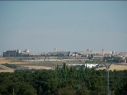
[(55, 49), (88, 50), (10, 53)]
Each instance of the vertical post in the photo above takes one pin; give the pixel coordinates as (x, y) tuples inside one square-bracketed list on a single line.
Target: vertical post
[(108, 91), (107, 70), (13, 91)]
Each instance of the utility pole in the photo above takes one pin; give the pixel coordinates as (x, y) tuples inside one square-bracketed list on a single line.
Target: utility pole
[(13, 91), (107, 65)]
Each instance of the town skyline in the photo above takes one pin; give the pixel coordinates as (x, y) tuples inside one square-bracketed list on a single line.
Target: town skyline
[(27, 52)]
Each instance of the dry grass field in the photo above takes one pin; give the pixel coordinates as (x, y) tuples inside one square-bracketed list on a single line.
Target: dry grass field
[(115, 67), (4, 61), (31, 65), (8, 70), (46, 65)]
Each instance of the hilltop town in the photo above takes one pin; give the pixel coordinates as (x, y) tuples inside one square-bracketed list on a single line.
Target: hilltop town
[(67, 64), (26, 60), (67, 55)]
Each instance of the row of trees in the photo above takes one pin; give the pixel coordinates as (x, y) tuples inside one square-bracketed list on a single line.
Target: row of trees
[(63, 81), (112, 59)]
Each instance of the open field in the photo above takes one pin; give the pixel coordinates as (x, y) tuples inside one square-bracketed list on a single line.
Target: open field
[(5, 69), (8, 70), (46, 64), (30, 65), (115, 67), (38, 67), (4, 61)]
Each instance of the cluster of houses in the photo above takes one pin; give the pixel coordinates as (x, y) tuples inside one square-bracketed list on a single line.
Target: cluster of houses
[(88, 53)]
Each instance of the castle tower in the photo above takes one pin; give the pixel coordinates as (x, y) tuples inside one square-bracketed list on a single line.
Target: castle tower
[(88, 50), (113, 52), (102, 51), (55, 49)]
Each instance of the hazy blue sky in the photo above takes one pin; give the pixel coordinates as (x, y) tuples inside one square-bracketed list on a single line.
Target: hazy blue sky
[(66, 25)]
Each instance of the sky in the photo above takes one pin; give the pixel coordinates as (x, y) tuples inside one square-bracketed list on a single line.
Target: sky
[(41, 26)]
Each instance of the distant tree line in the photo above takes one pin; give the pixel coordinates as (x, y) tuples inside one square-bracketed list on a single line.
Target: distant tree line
[(10, 65)]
